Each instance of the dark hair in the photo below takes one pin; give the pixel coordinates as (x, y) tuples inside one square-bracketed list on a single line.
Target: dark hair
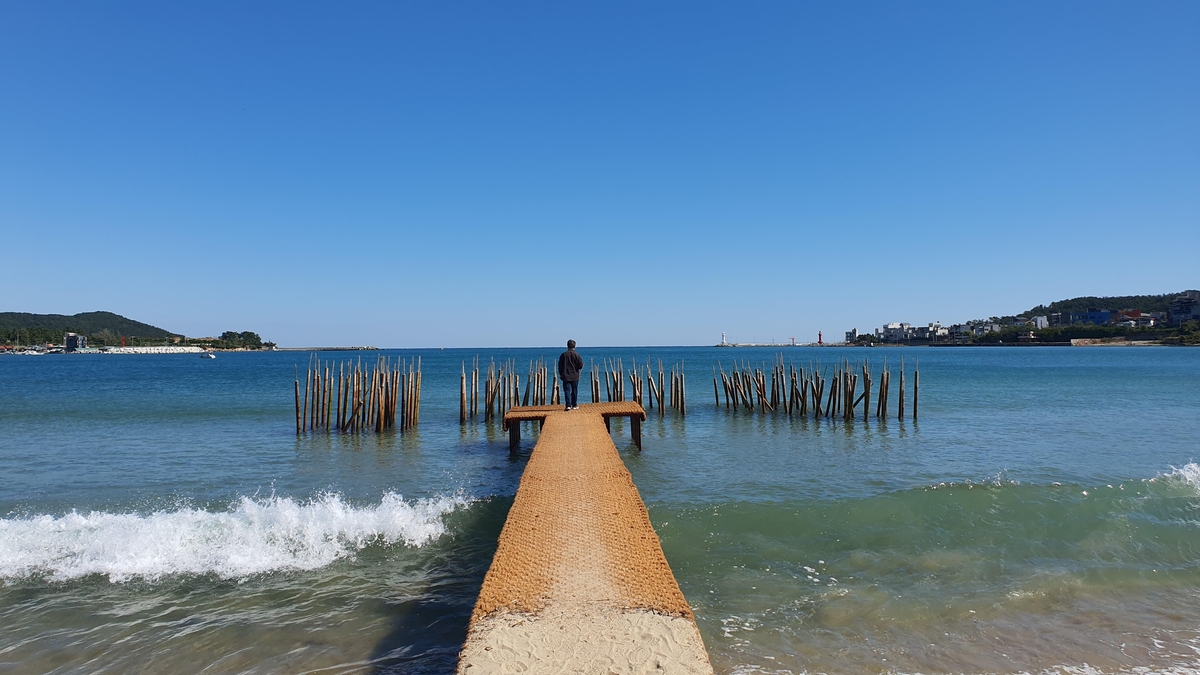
[(570, 344)]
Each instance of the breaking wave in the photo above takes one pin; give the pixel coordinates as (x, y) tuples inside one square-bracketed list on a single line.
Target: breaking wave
[(1188, 473), (254, 536)]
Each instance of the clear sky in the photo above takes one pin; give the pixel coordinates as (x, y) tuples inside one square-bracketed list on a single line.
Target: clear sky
[(505, 174)]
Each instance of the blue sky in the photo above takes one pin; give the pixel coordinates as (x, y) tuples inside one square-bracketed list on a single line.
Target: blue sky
[(495, 174)]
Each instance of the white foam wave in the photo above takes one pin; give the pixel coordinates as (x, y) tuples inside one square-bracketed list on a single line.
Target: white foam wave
[(1188, 473), (253, 537)]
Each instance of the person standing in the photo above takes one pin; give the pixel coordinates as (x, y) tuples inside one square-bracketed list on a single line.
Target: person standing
[(570, 365)]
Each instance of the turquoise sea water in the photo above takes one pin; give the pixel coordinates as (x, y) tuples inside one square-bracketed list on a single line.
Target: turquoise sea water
[(159, 514)]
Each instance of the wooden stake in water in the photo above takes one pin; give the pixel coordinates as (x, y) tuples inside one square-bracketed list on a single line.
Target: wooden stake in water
[(297, 401), (916, 386), (307, 386), (462, 396)]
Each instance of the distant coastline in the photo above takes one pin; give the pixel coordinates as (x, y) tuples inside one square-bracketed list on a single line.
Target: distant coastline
[(93, 332), (175, 349), (326, 349)]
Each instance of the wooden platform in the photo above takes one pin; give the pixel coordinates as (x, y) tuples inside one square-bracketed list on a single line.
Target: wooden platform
[(538, 413), (579, 582)]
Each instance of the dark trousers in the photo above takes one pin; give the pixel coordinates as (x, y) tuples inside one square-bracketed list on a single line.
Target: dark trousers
[(570, 394)]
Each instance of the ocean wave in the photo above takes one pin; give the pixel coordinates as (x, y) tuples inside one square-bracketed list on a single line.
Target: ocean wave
[(254, 536), (1188, 473)]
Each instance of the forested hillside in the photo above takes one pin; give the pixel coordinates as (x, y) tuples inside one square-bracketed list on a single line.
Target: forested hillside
[(1145, 303), (100, 327)]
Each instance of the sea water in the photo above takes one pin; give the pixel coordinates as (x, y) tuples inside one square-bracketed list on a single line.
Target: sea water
[(159, 514)]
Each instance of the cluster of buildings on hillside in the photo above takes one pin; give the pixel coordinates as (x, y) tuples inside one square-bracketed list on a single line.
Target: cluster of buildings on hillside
[(1185, 307), (74, 343)]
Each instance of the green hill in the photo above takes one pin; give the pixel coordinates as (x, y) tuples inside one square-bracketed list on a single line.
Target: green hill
[(99, 327), (1145, 303)]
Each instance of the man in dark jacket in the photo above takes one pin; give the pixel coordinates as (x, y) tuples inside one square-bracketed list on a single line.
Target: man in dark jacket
[(570, 364)]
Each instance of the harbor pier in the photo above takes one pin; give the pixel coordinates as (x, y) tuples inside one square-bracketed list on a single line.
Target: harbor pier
[(579, 582), (607, 411)]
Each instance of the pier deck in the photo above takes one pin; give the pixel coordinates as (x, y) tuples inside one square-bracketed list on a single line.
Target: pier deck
[(538, 413), (579, 582)]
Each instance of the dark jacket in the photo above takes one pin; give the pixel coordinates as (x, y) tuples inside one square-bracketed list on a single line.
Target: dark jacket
[(570, 364)]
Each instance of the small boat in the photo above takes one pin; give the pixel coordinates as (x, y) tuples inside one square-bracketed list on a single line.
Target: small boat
[(208, 355)]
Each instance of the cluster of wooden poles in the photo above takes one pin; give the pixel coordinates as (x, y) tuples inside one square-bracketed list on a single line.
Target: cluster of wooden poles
[(612, 373), (829, 392), (352, 398), (502, 388)]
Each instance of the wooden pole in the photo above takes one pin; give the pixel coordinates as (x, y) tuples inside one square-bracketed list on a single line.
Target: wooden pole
[(314, 410), (349, 406), (348, 399), (360, 421), (297, 402), (327, 399), (307, 387), (866, 374), (682, 390), (883, 380), (883, 399), (373, 401), (385, 404), (916, 387), (832, 392), (818, 392), (395, 395)]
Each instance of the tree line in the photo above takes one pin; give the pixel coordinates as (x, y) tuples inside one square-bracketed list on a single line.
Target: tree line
[(1145, 303), (106, 337)]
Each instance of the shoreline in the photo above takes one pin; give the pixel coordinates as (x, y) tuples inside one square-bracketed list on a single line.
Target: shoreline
[(196, 349)]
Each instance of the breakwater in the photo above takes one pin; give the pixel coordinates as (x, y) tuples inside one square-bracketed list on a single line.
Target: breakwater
[(152, 350)]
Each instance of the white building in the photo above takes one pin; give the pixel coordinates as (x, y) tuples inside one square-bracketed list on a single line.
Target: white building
[(897, 332)]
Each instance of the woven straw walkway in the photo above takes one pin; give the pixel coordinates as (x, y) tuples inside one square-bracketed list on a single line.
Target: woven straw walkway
[(579, 582), (537, 412)]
